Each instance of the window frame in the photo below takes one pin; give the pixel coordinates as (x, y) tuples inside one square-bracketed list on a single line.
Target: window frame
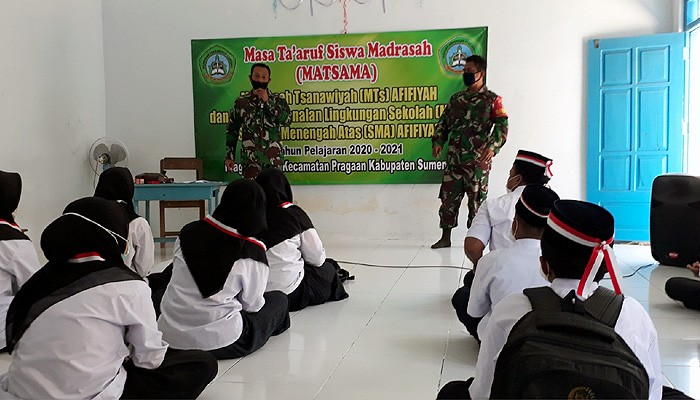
[(691, 6)]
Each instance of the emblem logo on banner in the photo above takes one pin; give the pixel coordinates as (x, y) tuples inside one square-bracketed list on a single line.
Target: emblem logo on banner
[(454, 53), (217, 65)]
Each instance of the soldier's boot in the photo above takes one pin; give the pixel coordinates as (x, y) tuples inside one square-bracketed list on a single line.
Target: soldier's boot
[(444, 240)]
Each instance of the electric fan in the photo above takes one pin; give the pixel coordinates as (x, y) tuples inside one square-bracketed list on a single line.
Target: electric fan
[(107, 152)]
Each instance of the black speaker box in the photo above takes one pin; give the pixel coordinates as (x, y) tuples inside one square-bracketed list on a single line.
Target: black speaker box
[(675, 219)]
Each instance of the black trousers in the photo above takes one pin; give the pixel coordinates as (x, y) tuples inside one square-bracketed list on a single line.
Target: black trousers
[(158, 282), (183, 375), (460, 301), (319, 285), (685, 290), (258, 327)]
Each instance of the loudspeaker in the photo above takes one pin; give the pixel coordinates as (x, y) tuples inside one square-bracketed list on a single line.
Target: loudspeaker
[(675, 219)]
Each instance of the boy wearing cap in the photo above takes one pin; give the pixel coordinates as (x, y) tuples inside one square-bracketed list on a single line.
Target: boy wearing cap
[(492, 222), (576, 253), (510, 270)]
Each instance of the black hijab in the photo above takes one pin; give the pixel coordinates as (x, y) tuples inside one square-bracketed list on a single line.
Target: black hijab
[(276, 187), (117, 184), (67, 239), (211, 246), (284, 219), (10, 191)]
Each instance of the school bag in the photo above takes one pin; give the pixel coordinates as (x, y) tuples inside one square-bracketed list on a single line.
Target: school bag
[(568, 349)]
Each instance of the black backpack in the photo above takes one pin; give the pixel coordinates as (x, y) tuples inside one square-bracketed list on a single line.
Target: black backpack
[(568, 349)]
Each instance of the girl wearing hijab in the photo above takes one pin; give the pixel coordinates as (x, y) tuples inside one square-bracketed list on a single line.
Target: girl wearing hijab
[(215, 300), (296, 256), (75, 321), (117, 184), (18, 258)]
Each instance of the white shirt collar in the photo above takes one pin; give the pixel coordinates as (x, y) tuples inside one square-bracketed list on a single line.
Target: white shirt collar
[(563, 286), (527, 242)]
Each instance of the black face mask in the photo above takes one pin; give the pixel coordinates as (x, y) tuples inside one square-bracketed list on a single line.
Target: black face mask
[(258, 85), (469, 78)]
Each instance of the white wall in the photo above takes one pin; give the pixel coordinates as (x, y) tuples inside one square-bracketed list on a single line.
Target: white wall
[(52, 101), (536, 62)]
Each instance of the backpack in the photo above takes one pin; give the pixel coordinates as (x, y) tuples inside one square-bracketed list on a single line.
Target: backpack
[(568, 349)]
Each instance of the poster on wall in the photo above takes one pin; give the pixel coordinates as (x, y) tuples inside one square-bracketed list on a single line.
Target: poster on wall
[(363, 106)]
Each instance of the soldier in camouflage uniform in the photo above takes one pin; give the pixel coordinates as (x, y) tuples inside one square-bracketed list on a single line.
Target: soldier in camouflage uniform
[(259, 116), (474, 125)]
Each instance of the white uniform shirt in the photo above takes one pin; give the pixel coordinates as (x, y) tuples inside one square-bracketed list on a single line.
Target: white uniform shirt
[(286, 260), (634, 326), (75, 349), (502, 272), (18, 262), (190, 322), (142, 252), (492, 222)]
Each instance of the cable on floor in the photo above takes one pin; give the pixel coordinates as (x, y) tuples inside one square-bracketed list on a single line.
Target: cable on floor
[(402, 266), (637, 270), (455, 267)]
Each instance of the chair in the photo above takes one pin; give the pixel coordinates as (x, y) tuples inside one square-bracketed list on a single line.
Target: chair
[(180, 163)]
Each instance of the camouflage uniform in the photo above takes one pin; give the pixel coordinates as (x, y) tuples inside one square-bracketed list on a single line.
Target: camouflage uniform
[(259, 124), (471, 124)]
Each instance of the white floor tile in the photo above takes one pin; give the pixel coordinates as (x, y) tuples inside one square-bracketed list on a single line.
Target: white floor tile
[(279, 367), (357, 310), (382, 340), (684, 353), (403, 375), (225, 365), (428, 280), (373, 279), (685, 379), (676, 328), (460, 356), (218, 390), (317, 337), (454, 256)]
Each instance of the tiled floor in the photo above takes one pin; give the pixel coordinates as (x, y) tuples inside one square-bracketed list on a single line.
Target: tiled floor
[(397, 337)]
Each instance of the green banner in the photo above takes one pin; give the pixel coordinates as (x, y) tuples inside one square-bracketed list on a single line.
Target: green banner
[(363, 105)]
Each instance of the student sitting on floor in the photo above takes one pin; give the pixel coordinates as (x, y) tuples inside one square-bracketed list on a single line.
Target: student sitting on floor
[(686, 290), (18, 258), (215, 298), (296, 256), (117, 184), (75, 322), (492, 222), (575, 242), (510, 270)]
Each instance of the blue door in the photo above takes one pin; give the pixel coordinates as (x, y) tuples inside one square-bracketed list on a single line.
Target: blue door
[(636, 89)]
